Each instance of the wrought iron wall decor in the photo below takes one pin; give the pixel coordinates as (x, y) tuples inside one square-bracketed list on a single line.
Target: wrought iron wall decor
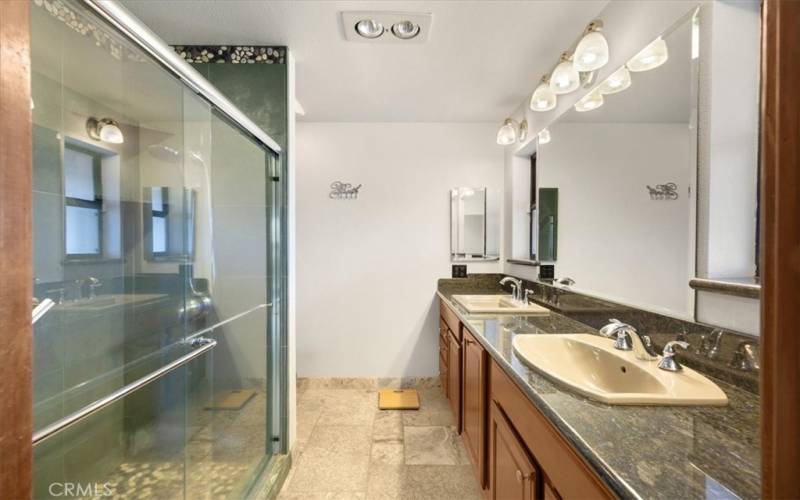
[(344, 191), (668, 191)]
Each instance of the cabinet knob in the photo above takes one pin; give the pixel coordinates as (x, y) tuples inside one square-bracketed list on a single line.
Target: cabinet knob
[(522, 477)]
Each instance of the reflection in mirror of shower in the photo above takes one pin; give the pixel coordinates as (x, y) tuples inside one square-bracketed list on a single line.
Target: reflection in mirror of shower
[(169, 215)]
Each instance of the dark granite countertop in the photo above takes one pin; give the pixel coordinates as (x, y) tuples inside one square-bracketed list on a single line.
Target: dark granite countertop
[(639, 451)]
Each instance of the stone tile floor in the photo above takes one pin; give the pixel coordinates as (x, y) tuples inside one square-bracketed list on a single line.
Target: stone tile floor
[(348, 449)]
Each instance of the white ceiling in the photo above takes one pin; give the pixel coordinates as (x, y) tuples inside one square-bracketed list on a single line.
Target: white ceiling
[(482, 59)]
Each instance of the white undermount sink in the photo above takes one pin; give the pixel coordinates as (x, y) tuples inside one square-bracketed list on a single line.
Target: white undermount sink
[(589, 365), (498, 304)]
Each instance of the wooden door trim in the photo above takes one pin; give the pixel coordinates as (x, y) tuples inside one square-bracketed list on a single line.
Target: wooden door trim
[(16, 279), (780, 243)]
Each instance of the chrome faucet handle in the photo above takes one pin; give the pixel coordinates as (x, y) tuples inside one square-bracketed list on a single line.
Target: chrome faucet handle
[(714, 351), (528, 294), (623, 340), (745, 358), (620, 332), (608, 330), (94, 284), (668, 362)]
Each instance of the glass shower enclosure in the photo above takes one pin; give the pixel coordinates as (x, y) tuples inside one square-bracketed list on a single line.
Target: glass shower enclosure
[(159, 369)]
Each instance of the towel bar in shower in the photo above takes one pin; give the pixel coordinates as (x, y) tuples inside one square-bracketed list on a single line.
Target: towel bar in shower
[(202, 345)]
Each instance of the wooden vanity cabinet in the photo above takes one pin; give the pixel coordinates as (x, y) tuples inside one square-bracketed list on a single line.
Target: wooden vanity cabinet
[(454, 379), (512, 472), (450, 351), (443, 345), (474, 403), (516, 451), (568, 476)]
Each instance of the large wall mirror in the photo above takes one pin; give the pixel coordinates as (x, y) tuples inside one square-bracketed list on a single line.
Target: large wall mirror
[(656, 173), (620, 169)]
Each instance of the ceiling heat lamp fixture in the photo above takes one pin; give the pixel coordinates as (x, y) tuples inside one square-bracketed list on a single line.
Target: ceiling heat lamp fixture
[(369, 28), (405, 30), (544, 136), (507, 134), (590, 101), (591, 52), (651, 57), (617, 82), (377, 26), (543, 99), (565, 78)]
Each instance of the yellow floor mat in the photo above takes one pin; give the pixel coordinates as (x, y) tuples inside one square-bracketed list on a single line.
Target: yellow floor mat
[(231, 400), (398, 399)]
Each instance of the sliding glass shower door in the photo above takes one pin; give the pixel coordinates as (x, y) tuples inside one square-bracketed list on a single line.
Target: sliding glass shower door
[(158, 371)]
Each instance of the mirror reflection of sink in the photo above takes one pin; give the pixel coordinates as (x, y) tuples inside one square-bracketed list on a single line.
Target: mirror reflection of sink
[(498, 304), (589, 365), (100, 301)]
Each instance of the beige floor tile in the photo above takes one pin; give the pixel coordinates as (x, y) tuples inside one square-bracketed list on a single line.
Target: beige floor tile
[(356, 415), (444, 482), (324, 473), (423, 482), (387, 426), (343, 440), (387, 453), (349, 495), (388, 482), (305, 424), (433, 445), (428, 418)]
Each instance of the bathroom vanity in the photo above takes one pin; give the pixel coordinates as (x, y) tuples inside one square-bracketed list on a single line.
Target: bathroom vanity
[(528, 436)]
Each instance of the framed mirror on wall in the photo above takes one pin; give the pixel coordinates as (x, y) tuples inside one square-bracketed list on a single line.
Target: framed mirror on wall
[(474, 225)]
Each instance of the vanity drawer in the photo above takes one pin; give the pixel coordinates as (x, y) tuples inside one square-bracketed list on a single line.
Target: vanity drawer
[(450, 319), (569, 475)]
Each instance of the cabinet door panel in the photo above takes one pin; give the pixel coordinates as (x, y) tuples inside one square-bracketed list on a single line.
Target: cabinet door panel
[(474, 404), (549, 492), (512, 474), (451, 320), (568, 473), (454, 379)]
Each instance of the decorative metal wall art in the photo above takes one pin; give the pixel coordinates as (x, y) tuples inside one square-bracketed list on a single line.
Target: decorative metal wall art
[(668, 191), (344, 191)]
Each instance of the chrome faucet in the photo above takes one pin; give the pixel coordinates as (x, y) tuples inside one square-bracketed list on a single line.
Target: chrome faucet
[(528, 294), (668, 362), (710, 345), (746, 356), (94, 283), (516, 286), (627, 338)]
